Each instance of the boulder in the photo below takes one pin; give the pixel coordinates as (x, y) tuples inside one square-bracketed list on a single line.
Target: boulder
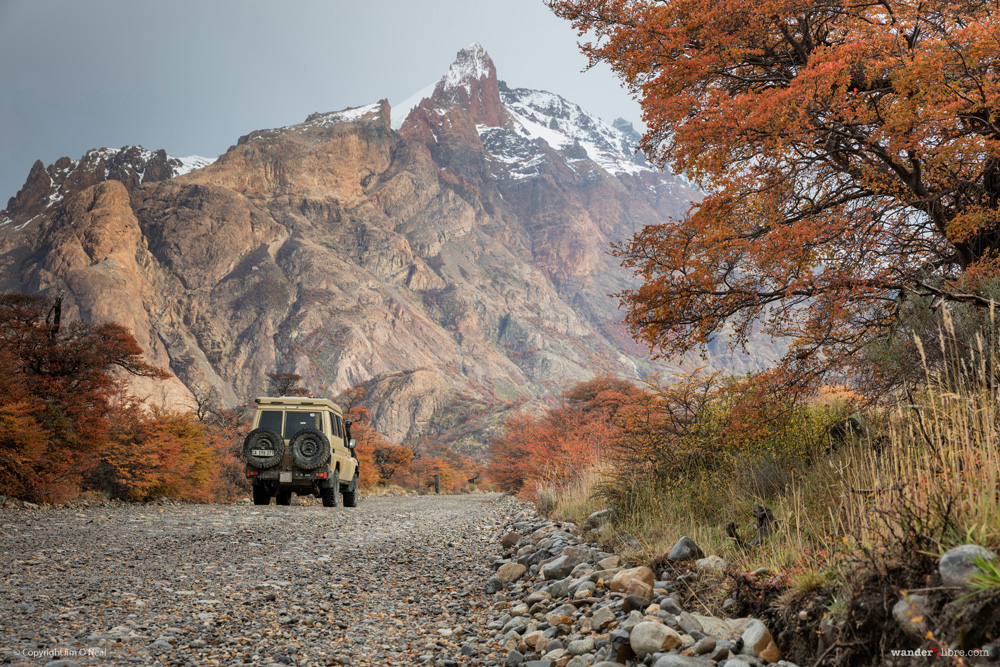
[(689, 623), (609, 563), (537, 596), (757, 641), (558, 619), (602, 618), (685, 549), (704, 645), (650, 637), (543, 532), (713, 626), (957, 566), (510, 540), (517, 624), (581, 646), (493, 584), (711, 565), (561, 567), (635, 603), (622, 580), (558, 589), (510, 572), (640, 589)]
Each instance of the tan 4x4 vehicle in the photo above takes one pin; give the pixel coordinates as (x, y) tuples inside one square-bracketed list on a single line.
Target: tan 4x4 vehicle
[(302, 445)]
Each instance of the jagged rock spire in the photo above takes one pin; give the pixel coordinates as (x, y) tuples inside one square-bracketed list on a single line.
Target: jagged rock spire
[(471, 82)]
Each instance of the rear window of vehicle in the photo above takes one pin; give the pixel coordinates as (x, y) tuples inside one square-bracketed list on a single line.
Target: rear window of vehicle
[(270, 419), (296, 421)]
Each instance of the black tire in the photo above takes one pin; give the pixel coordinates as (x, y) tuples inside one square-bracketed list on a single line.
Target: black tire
[(351, 495), (261, 496), (310, 449), (283, 498), (331, 494), (263, 439)]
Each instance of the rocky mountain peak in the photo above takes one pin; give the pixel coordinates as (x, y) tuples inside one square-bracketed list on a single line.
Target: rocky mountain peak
[(471, 82), (47, 187)]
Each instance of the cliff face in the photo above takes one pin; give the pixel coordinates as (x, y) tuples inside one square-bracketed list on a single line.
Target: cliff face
[(455, 267)]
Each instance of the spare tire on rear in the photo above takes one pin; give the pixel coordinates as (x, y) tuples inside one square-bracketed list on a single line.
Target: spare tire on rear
[(310, 449), (263, 448)]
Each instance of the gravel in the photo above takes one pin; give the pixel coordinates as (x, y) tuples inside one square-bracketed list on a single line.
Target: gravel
[(396, 581)]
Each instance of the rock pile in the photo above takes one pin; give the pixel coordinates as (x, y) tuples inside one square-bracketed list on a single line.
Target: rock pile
[(570, 604)]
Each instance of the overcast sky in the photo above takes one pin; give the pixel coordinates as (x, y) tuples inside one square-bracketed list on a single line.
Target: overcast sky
[(191, 76)]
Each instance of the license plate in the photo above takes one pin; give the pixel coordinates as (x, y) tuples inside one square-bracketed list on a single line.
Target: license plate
[(262, 452), (285, 477)]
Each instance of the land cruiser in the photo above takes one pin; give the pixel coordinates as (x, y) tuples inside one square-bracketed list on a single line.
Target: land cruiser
[(303, 445)]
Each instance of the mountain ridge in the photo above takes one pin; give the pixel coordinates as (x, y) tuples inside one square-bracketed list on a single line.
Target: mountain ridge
[(457, 267)]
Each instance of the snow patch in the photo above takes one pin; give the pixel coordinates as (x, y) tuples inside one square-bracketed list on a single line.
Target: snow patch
[(25, 224), (190, 163), (346, 116)]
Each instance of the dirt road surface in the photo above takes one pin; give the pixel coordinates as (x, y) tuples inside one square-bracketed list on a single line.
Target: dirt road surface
[(395, 581)]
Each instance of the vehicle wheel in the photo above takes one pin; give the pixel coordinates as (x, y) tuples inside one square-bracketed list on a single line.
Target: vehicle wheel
[(310, 449), (261, 496), (351, 495), (283, 498), (263, 448), (331, 493)]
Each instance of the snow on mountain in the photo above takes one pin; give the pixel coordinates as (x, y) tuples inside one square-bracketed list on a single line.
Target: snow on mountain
[(138, 159), (535, 115), (511, 121), (472, 64), (190, 163), (347, 115)]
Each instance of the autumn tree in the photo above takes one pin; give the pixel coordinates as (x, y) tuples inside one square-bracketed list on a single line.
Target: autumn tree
[(567, 440), (286, 384), (57, 384), (389, 458), (849, 155)]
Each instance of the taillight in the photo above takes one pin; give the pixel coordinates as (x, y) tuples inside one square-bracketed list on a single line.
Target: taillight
[(322, 475), (252, 473)]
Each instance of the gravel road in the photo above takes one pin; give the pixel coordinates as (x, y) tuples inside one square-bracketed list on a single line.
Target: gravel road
[(395, 581)]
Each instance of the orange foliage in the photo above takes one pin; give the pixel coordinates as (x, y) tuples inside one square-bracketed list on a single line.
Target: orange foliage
[(149, 455), (434, 458), (849, 155), (56, 390), (564, 442)]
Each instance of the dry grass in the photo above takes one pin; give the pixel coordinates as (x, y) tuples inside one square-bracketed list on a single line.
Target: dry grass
[(934, 469)]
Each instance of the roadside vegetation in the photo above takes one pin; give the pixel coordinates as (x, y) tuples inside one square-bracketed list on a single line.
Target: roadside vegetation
[(68, 425), (862, 492), (847, 155)]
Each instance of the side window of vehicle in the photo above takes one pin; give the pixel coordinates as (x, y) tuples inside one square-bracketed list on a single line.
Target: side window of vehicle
[(340, 428), (335, 426)]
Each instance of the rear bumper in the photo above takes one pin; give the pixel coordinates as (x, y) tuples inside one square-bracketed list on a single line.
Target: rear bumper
[(278, 474)]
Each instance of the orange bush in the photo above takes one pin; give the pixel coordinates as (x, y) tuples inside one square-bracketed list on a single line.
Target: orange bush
[(155, 454), (564, 442)]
